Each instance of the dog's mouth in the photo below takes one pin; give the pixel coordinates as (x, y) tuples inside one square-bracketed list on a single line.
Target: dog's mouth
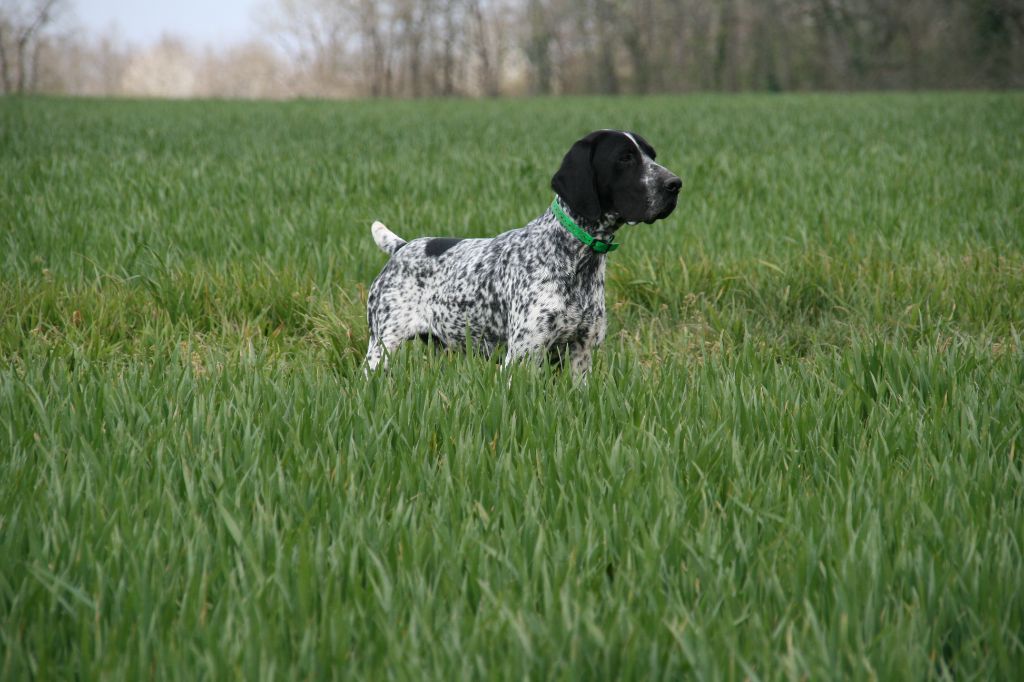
[(668, 205)]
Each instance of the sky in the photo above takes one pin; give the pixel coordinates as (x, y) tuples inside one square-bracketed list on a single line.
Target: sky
[(202, 22)]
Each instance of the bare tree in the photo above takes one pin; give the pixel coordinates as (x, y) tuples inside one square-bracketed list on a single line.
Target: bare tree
[(167, 69), (374, 21), (23, 24), (537, 46), (488, 40), (251, 70), (318, 37), (449, 35)]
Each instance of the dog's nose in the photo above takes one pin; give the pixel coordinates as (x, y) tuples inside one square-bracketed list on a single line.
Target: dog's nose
[(674, 185)]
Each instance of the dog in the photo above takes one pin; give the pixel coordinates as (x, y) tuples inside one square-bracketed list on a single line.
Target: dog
[(537, 290)]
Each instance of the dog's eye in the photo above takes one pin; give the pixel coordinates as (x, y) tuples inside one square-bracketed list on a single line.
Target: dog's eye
[(627, 158)]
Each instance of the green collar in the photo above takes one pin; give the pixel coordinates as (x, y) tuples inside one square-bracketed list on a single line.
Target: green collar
[(598, 245)]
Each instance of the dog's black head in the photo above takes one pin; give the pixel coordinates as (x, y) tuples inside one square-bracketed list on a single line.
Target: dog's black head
[(613, 172)]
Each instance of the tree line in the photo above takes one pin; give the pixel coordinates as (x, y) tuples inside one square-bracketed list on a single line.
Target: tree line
[(419, 48)]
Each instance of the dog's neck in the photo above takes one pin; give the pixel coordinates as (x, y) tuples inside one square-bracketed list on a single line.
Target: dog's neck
[(585, 267), (603, 229)]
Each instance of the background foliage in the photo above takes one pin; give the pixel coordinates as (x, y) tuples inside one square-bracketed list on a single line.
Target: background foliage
[(423, 48)]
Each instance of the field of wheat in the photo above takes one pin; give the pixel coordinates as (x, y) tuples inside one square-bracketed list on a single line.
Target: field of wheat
[(799, 454)]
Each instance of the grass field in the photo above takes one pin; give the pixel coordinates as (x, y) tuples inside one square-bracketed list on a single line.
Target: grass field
[(799, 455)]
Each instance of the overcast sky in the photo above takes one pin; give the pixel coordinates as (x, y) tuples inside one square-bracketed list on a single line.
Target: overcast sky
[(210, 22)]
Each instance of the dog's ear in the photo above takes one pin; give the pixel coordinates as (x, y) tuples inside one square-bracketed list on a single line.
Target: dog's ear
[(574, 181)]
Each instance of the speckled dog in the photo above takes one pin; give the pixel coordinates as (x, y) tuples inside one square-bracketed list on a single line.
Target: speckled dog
[(538, 290)]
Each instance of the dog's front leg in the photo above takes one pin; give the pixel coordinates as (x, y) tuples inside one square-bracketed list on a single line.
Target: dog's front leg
[(534, 353), (579, 361), (517, 352), (525, 343)]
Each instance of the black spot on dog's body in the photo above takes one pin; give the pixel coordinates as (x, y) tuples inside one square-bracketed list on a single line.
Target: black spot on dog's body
[(438, 245)]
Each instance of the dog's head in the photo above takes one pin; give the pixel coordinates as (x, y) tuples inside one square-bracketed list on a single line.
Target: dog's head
[(613, 172)]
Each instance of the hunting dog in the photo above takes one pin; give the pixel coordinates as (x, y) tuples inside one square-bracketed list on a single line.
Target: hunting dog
[(537, 290)]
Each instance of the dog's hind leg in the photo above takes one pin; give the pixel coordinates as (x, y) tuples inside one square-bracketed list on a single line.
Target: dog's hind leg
[(385, 341)]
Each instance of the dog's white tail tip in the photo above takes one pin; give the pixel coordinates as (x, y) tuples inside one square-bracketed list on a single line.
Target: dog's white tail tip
[(386, 240)]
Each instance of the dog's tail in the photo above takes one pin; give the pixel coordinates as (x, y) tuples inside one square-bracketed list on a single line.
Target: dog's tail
[(388, 241)]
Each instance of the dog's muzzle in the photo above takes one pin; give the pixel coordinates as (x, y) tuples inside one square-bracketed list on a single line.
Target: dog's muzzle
[(668, 197)]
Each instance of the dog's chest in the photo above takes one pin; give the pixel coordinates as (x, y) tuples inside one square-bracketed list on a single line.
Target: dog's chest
[(567, 308), (575, 322)]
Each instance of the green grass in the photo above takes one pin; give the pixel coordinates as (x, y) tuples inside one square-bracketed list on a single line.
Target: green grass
[(799, 455)]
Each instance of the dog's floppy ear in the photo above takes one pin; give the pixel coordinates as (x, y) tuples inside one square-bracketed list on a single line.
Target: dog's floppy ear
[(574, 181)]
